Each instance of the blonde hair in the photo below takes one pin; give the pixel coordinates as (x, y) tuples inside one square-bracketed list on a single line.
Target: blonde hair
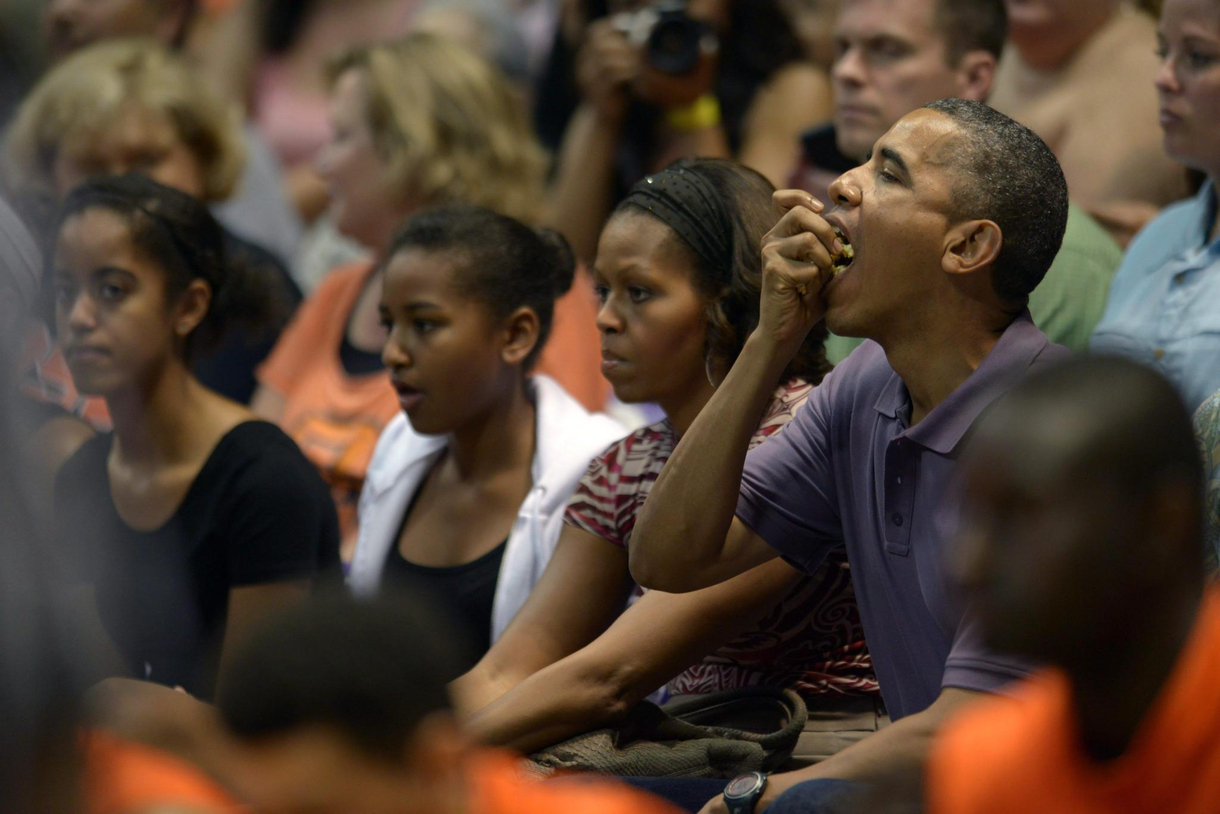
[(450, 126), (90, 90)]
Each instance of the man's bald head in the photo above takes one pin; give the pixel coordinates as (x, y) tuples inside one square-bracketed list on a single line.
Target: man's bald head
[(1083, 491)]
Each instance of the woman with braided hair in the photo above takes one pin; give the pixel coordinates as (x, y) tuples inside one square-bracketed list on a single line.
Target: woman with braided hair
[(677, 275)]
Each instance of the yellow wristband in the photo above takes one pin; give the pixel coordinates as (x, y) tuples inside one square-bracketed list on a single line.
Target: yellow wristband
[(700, 114)]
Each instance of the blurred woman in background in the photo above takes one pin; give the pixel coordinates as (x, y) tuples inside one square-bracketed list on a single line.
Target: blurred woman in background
[(1164, 305)]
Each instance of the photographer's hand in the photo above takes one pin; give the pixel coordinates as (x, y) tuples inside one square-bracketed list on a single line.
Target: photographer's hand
[(605, 68)]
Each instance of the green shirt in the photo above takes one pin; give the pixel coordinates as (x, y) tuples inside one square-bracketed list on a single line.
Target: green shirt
[(1069, 301)]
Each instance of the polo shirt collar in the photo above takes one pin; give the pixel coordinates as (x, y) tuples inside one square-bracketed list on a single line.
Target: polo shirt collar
[(947, 424)]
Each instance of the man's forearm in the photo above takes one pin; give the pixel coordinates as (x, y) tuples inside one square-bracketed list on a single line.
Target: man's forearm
[(679, 537), (895, 753)]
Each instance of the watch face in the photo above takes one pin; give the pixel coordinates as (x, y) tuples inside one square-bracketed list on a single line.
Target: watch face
[(741, 786)]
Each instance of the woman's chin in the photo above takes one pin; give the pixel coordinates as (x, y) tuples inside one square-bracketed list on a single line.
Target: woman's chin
[(634, 392)]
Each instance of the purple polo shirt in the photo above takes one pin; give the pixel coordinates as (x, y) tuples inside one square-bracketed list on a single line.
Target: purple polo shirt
[(848, 471)]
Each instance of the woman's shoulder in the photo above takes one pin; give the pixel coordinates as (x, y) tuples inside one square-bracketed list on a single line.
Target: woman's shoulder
[(1166, 235), (257, 453), (644, 450)]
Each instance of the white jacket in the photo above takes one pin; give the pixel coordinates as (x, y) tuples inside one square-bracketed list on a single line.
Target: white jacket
[(568, 438)]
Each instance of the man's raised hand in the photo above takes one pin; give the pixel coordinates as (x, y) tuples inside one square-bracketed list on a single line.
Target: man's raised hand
[(797, 255)]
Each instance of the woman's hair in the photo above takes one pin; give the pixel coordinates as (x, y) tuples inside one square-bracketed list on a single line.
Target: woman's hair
[(497, 260), (178, 233), (741, 199), (449, 125), (96, 88)]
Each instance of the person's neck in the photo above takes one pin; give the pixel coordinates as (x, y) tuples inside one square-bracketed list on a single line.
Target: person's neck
[(1050, 47), (683, 412), (934, 359), (502, 439), (153, 419), (1113, 696)]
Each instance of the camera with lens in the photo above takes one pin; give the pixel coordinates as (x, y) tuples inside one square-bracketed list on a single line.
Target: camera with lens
[(673, 43)]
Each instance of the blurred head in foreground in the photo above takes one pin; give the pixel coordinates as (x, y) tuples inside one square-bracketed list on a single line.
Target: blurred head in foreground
[(1083, 491), (341, 706)]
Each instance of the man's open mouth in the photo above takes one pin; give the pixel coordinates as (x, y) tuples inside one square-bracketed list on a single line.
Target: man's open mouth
[(843, 259)]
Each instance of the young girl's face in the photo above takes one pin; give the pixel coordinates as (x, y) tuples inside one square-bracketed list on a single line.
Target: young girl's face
[(652, 320), (115, 321), (444, 350)]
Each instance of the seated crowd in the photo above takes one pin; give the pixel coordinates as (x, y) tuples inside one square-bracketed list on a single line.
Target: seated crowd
[(724, 406)]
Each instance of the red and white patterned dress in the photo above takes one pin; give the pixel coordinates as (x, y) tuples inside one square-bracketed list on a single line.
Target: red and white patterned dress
[(812, 641)]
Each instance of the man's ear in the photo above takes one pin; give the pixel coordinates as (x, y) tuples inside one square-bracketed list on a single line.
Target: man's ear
[(192, 307), (975, 75), (521, 331), (970, 246)]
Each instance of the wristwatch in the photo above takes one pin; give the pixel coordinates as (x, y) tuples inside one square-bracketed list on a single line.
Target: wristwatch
[(743, 791)]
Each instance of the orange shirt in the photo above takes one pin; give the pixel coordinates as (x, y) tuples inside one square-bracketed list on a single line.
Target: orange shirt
[(1022, 753), (500, 787), (573, 354), (123, 777), (45, 377), (333, 416)]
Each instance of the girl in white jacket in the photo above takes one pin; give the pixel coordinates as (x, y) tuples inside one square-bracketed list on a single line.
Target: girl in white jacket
[(465, 494)]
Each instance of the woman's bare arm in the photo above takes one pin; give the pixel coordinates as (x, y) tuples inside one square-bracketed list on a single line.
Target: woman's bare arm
[(656, 639)]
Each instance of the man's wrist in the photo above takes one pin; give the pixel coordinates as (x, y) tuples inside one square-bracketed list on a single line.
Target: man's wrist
[(768, 355)]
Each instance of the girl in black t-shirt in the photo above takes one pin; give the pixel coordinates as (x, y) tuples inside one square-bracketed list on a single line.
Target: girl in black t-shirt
[(193, 519)]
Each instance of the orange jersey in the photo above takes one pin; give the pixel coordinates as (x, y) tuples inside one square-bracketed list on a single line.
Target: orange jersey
[(501, 787), (1022, 753), (122, 777)]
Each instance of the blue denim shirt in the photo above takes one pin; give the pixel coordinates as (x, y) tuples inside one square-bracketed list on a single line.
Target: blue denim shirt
[(1164, 306)]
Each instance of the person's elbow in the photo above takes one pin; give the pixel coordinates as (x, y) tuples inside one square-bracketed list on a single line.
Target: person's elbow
[(655, 571)]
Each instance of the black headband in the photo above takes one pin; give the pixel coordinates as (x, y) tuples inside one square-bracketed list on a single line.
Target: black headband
[(687, 203)]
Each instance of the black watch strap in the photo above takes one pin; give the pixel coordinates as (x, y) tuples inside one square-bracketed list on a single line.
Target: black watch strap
[(742, 793)]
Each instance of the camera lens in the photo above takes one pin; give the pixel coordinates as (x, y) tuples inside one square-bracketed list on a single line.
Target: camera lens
[(675, 42)]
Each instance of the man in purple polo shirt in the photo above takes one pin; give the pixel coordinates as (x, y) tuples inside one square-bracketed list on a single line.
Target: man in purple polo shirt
[(954, 220)]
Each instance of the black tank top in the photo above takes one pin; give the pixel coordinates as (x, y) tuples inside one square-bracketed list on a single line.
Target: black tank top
[(466, 591)]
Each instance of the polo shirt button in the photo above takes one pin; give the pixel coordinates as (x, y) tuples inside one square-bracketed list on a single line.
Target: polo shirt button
[(1159, 353), (898, 480), (897, 519)]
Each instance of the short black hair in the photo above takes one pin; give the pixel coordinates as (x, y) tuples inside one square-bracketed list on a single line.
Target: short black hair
[(972, 25), (371, 671), (1010, 177), (503, 262)]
